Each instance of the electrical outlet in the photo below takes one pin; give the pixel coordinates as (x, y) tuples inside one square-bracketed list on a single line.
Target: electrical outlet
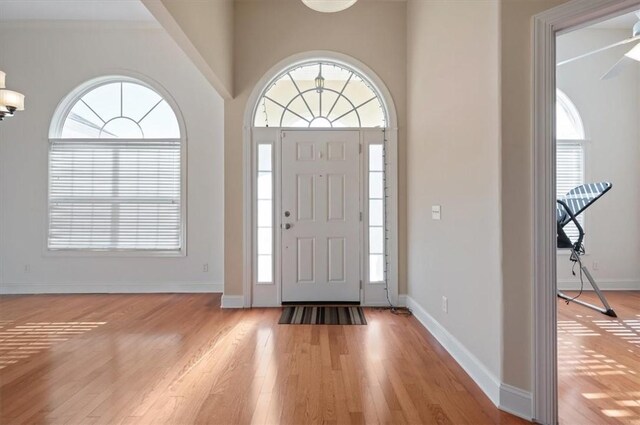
[(27, 268), (595, 265), (205, 267), (445, 304), (435, 212)]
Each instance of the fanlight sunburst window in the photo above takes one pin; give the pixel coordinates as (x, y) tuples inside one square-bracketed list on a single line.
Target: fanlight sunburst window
[(121, 110), (320, 94)]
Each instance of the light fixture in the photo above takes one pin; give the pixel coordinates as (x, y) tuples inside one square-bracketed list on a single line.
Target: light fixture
[(329, 6), (319, 81), (10, 101)]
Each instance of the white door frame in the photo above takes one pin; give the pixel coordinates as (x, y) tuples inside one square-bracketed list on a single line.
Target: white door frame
[(389, 135), (546, 26)]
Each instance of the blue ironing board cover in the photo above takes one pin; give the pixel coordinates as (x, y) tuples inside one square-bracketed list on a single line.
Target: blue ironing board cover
[(579, 199)]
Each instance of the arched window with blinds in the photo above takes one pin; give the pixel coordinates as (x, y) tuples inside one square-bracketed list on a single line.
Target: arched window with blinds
[(116, 171)]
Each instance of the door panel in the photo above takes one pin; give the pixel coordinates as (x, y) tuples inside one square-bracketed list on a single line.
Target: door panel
[(306, 261), (335, 197), (306, 199), (321, 195), (337, 259)]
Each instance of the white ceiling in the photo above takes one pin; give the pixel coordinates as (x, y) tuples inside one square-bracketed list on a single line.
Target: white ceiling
[(74, 10), (620, 22)]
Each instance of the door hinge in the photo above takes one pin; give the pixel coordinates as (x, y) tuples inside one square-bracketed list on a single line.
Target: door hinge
[(360, 148), (361, 284), (360, 216)]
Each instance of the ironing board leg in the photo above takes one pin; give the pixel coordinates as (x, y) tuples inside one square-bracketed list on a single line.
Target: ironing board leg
[(607, 308)]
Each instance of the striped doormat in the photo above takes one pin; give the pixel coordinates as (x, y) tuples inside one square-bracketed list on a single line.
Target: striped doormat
[(314, 315)]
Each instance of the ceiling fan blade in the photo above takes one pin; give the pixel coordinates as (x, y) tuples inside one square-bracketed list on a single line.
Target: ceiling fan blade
[(616, 69), (602, 49)]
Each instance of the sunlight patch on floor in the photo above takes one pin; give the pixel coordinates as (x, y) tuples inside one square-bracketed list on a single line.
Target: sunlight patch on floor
[(22, 341)]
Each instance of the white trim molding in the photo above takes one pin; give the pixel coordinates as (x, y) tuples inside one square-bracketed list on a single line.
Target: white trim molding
[(547, 25), (506, 397), (111, 288), (486, 380), (604, 284), (232, 301), (515, 401)]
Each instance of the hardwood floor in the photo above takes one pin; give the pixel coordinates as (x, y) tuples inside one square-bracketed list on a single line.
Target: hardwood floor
[(599, 361), (180, 359)]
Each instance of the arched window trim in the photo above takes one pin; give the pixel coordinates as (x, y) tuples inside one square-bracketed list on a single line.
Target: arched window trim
[(563, 101), (55, 134), (68, 102), (570, 157), (389, 121)]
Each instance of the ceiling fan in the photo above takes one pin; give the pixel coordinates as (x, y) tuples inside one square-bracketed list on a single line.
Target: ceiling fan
[(630, 57)]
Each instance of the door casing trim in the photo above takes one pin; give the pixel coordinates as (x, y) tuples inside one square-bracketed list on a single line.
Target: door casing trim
[(270, 295), (392, 172), (547, 25)]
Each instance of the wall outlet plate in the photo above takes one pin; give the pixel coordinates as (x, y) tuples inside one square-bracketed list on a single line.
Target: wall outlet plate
[(435, 212)]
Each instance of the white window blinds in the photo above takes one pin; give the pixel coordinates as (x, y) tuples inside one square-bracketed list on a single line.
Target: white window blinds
[(115, 194), (569, 174)]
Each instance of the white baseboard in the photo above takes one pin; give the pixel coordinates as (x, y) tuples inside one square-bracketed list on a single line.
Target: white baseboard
[(402, 300), (110, 288), (516, 401), (232, 301), (604, 284), (505, 397), (263, 305)]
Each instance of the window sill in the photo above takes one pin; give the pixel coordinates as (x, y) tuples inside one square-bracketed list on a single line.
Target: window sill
[(86, 253)]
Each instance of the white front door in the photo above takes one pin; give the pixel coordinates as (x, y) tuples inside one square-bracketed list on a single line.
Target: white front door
[(321, 216)]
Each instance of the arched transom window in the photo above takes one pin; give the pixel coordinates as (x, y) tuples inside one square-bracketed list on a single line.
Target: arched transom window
[(320, 94), (121, 110), (116, 169)]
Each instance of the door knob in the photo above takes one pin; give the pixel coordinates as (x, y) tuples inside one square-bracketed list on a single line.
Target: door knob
[(287, 226), (287, 213)]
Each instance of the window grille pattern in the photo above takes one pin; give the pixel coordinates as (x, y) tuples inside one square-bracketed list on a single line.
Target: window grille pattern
[(320, 95)]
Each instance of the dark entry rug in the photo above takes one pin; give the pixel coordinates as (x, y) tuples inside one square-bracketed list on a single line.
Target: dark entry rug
[(316, 315)]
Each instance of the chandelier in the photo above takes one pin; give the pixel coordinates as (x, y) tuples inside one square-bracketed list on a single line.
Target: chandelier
[(10, 101)]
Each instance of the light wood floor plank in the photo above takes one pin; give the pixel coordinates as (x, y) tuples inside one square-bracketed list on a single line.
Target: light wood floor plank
[(180, 359), (599, 361)]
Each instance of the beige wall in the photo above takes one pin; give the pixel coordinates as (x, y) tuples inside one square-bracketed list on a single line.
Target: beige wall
[(453, 151), (269, 31), (517, 205), (204, 30), (466, 66)]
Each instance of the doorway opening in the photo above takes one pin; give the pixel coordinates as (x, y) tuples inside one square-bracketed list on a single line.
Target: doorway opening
[(597, 178), (320, 185), (572, 343)]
